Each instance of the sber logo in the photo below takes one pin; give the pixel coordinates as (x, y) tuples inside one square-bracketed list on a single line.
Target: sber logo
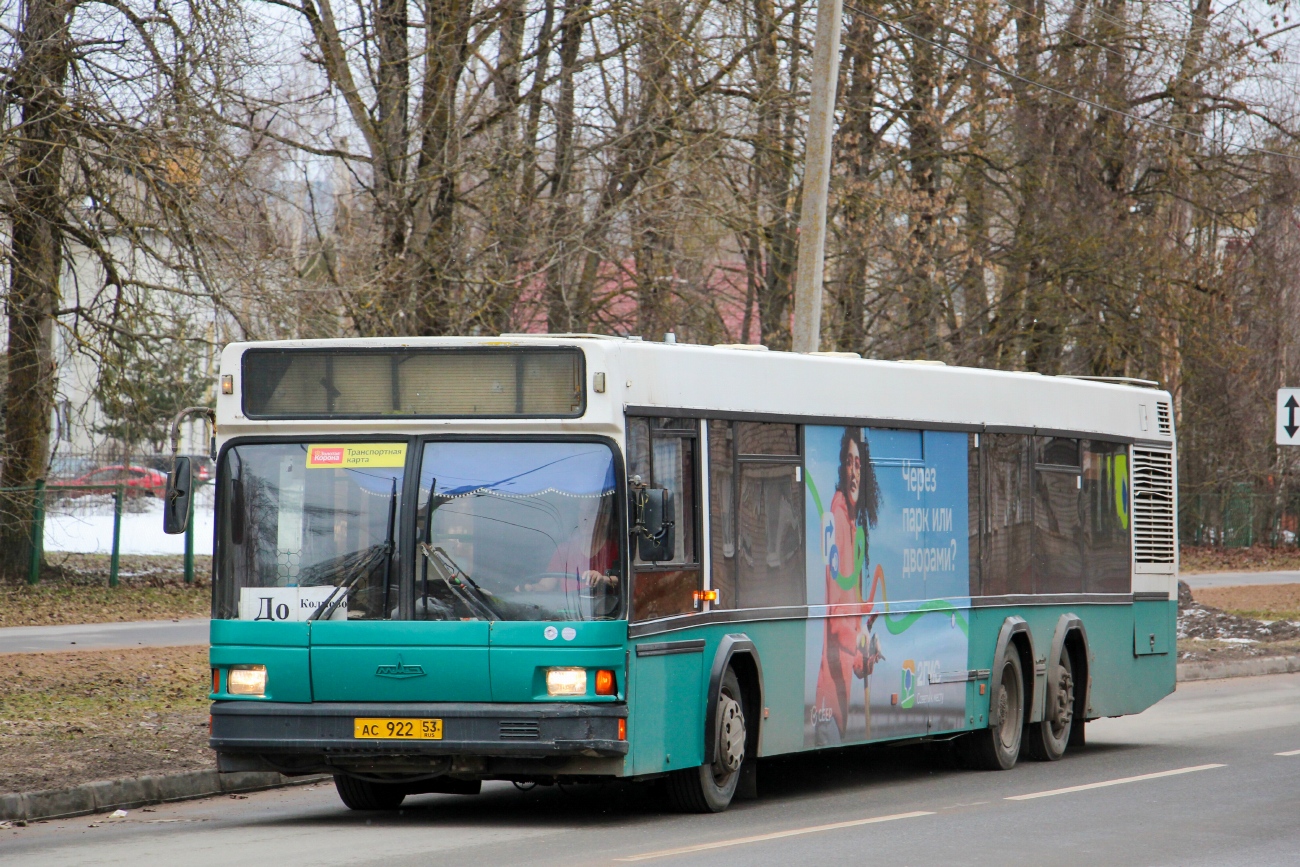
[(907, 690)]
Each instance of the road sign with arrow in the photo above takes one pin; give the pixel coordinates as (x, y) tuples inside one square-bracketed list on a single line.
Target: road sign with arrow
[(1288, 416)]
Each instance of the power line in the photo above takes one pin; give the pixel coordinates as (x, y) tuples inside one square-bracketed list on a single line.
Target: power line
[(1006, 73)]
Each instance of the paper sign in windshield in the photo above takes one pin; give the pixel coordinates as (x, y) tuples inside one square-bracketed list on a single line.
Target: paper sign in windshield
[(356, 456), (280, 604)]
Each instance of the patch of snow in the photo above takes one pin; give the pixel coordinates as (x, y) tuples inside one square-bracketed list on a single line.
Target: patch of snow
[(142, 531)]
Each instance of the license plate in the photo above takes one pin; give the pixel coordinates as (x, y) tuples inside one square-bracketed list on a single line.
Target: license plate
[(397, 729)]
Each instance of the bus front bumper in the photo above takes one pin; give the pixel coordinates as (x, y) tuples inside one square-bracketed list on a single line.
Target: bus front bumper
[(290, 736)]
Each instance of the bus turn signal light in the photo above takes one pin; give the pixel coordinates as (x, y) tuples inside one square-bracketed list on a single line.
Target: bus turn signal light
[(605, 682), (216, 680), (704, 596), (622, 730)]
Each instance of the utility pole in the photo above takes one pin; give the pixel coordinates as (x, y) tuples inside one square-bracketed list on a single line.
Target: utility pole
[(816, 178)]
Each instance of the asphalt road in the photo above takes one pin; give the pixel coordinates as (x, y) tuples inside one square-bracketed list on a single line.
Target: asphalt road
[(1204, 778), (103, 636), (1235, 579)]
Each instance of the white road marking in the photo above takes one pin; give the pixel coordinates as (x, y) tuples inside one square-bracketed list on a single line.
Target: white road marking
[(1118, 782), (759, 838), (1288, 753)]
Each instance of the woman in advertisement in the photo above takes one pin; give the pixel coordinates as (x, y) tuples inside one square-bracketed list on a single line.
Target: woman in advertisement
[(848, 651)]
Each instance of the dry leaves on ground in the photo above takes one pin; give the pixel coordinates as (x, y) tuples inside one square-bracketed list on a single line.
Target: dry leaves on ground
[(77, 591), (1259, 558), (71, 718)]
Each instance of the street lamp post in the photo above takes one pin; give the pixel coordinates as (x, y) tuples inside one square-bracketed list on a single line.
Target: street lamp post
[(816, 179)]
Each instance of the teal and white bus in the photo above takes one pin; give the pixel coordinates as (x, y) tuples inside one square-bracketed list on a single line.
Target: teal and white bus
[(572, 557)]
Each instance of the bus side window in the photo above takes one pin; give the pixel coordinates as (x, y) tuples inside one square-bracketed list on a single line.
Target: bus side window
[(1106, 517), (663, 453), (722, 513), (1058, 516), (769, 516), (974, 501), (1008, 526)]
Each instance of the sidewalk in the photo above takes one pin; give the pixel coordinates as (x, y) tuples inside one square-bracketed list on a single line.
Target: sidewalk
[(103, 636), (1198, 580)]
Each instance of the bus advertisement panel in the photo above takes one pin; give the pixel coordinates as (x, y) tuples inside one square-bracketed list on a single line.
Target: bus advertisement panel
[(888, 558)]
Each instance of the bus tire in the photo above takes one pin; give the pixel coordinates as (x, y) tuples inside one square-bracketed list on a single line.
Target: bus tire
[(997, 748), (710, 788), (1046, 741), (365, 795)]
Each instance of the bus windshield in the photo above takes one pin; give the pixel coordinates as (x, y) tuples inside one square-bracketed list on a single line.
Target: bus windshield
[(518, 531), (309, 530)]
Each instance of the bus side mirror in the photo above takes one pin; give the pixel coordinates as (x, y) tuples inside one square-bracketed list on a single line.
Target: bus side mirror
[(656, 517), (176, 499)]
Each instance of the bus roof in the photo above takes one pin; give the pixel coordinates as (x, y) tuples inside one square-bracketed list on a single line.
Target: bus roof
[(749, 381)]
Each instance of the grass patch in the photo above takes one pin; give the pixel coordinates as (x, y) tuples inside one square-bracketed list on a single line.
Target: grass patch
[(1256, 601), (70, 718)]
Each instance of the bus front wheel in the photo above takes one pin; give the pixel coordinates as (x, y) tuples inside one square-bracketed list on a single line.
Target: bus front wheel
[(997, 747), (710, 788), (366, 795)]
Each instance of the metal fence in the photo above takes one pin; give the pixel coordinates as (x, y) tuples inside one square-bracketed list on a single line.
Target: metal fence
[(1239, 518), (86, 506)]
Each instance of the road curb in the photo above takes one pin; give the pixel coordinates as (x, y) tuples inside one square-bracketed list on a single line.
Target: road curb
[(132, 792), (1237, 668)]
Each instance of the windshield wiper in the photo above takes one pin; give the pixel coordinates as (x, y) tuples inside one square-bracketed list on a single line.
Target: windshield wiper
[(463, 587), (368, 561), (354, 566)]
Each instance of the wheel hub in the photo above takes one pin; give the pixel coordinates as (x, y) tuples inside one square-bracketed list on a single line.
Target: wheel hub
[(1062, 711), (731, 736), (1009, 712)]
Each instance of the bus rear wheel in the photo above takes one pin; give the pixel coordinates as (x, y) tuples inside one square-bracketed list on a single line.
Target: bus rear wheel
[(710, 788), (1046, 741), (366, 795), (997, 748)]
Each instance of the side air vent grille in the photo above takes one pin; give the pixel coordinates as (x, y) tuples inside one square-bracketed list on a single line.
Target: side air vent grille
[(1164, 420), (1153, 506), (520, 730)]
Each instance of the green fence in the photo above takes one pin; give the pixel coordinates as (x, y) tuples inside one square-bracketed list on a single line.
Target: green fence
[(38, 497), (1239, 518)]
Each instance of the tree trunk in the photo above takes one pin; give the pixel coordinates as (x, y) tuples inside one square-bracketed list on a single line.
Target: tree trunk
[(36, 264), (774, 156), (924, 156), (562, 310), (434, 303), (855, 152)]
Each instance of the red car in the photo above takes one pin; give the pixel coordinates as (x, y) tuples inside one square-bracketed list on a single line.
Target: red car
[(137, 480)]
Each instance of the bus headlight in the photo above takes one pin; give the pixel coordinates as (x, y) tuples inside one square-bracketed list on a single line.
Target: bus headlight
[(246, 680), (566, 681)]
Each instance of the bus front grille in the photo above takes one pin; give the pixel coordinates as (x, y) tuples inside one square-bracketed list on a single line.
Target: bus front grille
[(520, 730)]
